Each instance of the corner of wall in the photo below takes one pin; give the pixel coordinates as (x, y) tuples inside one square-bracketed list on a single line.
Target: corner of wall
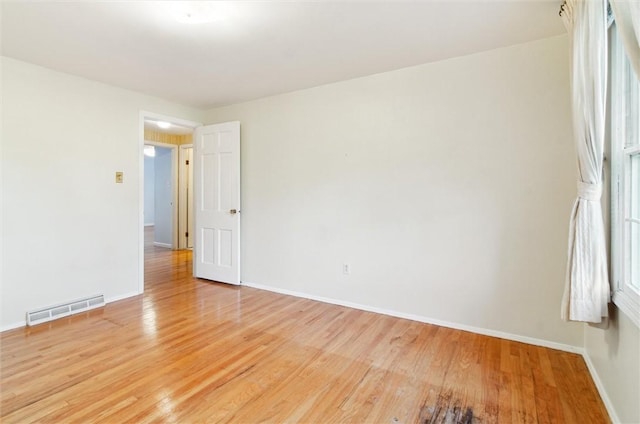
[(600, 385)]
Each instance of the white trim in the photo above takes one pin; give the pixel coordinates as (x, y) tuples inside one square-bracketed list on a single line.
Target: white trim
[(166, 118), (13, 326), (627, 305), (161, 144), (120, 297), (624, 296), (424, 319), (183, 200), (601, 390), (141, 202), (158, 244)]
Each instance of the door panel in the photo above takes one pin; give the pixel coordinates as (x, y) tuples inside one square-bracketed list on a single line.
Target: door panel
[(217, 200)]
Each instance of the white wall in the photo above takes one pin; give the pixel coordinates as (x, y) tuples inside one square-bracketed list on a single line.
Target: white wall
[(447, 187), (149, 190), (69, 230), (612, 349), (163, 196), (614, 353)]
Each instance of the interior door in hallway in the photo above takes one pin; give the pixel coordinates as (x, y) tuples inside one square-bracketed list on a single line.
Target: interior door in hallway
[(216, 180)]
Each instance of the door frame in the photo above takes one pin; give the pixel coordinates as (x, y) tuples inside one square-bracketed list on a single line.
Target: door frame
[(185, 215), (143, 114)]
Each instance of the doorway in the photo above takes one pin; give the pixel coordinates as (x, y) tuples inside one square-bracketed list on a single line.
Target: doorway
[(164, 196), (159, 195)]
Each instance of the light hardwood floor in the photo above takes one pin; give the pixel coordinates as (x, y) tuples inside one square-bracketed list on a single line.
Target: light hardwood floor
[(194, 351)]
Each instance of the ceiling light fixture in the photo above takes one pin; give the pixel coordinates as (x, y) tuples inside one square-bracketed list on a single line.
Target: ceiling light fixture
[(200, 12), (163, 125)]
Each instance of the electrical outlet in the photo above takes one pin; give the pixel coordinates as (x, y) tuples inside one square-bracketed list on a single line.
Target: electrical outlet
[(346, 269)]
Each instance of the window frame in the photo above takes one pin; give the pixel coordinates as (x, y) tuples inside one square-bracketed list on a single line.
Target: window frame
[(625, 296)]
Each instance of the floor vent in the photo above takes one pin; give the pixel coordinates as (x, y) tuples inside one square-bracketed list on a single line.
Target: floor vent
[(59, 311)]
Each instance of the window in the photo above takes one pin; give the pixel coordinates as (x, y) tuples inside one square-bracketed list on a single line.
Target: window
[(625, 181)]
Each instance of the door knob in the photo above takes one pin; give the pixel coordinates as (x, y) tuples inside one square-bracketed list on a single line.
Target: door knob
[(233, 211)]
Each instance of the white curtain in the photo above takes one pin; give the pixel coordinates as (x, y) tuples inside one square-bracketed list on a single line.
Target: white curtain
[(627, 14), (586, 292)]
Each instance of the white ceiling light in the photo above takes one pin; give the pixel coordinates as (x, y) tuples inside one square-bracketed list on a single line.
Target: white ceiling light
[(163, 125), (200, 12), (149, 151)]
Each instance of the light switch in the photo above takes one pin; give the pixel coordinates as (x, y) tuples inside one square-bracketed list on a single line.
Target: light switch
[(119, 177)]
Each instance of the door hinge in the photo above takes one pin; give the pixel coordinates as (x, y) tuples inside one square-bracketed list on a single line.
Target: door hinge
[(186, 162), (186, 234)]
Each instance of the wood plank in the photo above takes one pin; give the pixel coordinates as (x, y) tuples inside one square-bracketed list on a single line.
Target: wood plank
[(189, 350)]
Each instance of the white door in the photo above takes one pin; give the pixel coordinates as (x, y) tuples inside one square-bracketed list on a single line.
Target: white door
[(216, 183)]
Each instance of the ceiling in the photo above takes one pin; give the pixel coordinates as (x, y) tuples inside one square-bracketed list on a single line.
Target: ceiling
[(208, 54)]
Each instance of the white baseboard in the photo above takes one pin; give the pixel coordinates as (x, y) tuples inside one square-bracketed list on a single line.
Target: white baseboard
[(424, 319), (13, 326), (601, 390), (487, 332), (121, 297), (167, 245)]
